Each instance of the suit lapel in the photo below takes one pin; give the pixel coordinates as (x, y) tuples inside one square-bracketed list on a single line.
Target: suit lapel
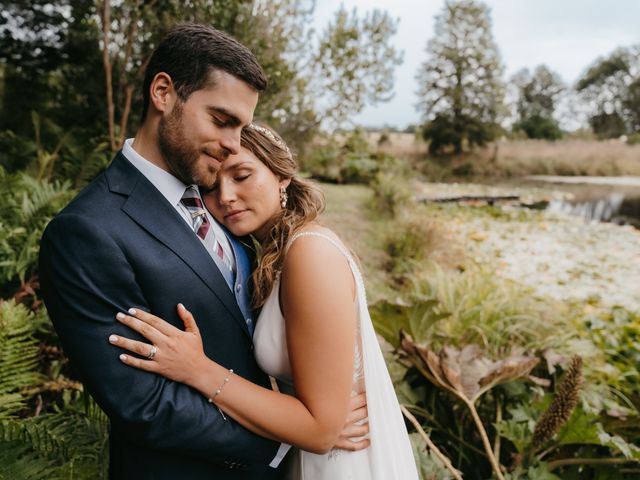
[(149, 209)]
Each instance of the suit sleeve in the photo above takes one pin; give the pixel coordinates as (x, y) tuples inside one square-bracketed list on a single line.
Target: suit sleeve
[(85, 280)]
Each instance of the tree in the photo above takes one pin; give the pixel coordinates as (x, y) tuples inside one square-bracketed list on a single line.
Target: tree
[(354, 64), (459, 84), (611, 87), (96, 52), (537, 96)]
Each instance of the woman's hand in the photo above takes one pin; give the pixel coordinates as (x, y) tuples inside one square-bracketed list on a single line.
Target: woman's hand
[(173, 353)]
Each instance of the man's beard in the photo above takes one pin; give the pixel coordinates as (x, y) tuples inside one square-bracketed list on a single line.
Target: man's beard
[(179, 154)]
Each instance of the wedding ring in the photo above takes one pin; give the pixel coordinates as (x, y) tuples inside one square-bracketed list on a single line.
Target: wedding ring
[(152, 352)]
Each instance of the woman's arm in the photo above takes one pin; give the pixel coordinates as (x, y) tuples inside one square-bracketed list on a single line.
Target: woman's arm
[(317, 298)]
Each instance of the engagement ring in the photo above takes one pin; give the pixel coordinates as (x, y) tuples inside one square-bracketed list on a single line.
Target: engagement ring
[(152, 352)]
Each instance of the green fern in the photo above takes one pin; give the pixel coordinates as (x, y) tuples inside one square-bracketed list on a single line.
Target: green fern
[(66, 445), (28, 205), (18, 357)]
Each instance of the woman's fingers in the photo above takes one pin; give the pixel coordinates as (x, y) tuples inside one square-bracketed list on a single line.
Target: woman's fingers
[(188, 320), (346, 444), (355, 431), (156, 322), (147, 331), (140, 348), (147, 365), (357, 409), (358, 401), (357, 415)]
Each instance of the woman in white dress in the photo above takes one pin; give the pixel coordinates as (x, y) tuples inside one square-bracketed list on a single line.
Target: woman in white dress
[(313, 334)]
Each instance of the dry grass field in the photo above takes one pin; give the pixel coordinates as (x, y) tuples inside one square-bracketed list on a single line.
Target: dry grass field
[(513, 158), (567, 157)]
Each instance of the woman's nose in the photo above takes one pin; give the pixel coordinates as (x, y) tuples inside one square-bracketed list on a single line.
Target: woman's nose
[(226, 193)]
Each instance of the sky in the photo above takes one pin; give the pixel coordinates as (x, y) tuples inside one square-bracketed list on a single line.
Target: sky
[(566, 35)]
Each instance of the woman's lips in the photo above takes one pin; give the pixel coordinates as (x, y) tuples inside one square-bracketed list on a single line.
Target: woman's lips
[(234, 214)]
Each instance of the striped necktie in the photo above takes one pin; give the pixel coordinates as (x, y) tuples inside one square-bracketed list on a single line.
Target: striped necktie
[(202, 226)]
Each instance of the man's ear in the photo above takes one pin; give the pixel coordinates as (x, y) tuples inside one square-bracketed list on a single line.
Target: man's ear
[(162, 95)]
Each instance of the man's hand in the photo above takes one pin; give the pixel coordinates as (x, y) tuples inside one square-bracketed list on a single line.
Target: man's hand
[(356, 426)]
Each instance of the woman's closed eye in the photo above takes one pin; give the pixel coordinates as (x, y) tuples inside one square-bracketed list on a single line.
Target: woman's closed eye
[(240, 178)]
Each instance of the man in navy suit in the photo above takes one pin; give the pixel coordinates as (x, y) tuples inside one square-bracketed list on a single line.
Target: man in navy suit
[(128, 240)]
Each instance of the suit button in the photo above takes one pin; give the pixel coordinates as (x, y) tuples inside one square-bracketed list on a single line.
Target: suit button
[(238, 288)]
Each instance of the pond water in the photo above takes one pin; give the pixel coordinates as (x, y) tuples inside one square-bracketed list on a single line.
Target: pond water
[(604, 199)]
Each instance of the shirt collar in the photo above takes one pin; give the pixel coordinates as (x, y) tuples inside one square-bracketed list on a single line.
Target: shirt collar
[(168, 185)]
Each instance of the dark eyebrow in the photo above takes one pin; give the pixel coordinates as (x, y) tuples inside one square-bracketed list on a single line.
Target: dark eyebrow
[(231, 119)]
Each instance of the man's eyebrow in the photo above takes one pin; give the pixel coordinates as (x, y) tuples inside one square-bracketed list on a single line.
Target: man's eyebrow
[(231, 119)]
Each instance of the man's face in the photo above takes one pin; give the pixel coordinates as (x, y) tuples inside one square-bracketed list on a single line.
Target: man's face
[(196, 136)]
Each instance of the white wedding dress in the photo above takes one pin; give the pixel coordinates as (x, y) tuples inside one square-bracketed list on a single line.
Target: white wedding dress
[(389, 456)]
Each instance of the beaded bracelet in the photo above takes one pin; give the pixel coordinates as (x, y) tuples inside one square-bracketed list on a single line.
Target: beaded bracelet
[(219, 390)]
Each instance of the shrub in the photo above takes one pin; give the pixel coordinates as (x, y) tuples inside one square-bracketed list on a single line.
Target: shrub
[(358, 169), (633, 139), (408, 241), (390, 192)]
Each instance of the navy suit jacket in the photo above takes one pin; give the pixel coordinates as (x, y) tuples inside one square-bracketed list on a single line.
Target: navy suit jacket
[(120, 244)]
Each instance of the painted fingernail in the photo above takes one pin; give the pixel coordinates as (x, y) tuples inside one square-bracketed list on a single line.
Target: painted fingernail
[(120, 316), (132, 311), (123, 357), (113, 339)]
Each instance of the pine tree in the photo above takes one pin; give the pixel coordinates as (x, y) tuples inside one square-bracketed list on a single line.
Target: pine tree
[(459, 84)]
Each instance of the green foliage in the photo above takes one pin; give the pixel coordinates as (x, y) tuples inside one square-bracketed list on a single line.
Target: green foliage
[(429, 466), (66, 445), (616, 334), (447, 308), (540, 127), (28, 206), (390, 192), (633, 139), (349, 47), (418, 318), (456, 131), (408, 242), (538, 95), (460, 87), (61, 73), (611, 86), (18, 357)]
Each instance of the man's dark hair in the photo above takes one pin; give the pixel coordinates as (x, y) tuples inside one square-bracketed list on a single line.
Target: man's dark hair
[(190, 52)]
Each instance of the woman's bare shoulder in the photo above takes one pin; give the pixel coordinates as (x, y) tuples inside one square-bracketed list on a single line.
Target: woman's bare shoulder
[(315, 244)]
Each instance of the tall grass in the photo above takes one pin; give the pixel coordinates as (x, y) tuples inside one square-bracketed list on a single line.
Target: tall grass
[(567, 157)]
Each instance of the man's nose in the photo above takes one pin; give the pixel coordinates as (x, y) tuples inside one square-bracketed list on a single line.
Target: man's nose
[(231, 141)]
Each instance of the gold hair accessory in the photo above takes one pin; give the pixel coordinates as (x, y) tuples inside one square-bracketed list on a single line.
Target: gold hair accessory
[(270, 135)]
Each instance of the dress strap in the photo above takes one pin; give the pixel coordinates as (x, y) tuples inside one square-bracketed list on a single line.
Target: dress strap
[(335, 243)]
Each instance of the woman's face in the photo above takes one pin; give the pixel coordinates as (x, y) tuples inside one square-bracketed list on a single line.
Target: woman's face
[(246, 195)]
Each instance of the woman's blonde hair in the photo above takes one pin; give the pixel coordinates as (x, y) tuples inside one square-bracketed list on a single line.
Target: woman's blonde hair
[(304, 203)]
